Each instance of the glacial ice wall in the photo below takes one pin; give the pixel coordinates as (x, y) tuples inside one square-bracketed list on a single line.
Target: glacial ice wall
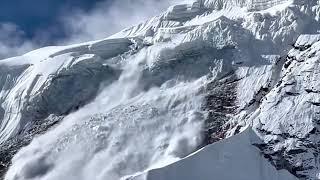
[(251, 5)]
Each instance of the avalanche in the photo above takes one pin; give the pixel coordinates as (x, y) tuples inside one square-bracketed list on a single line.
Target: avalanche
[(210, 89)]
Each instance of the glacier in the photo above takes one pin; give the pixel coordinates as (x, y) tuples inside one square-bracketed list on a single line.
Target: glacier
[(209, 89)]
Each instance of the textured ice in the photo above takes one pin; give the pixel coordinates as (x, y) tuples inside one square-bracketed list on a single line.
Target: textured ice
[(306, 40), (53, 80), (251, 5)]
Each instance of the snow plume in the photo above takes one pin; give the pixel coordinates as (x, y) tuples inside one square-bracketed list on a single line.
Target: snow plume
[(108, 18), (12, 41), (156, 126)]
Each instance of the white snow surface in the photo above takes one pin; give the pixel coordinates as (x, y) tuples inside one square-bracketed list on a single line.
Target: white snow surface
[(232, 158), (134, 102)]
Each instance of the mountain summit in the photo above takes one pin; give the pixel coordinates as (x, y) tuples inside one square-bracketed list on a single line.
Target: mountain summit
[(209, 89)]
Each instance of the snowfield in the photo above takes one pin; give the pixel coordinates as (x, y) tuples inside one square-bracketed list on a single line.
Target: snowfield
[(209, 89), (233, 158)]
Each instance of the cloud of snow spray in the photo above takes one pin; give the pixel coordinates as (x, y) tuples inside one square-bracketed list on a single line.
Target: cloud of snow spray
[(124, 131), (12, 41), (108, 18)]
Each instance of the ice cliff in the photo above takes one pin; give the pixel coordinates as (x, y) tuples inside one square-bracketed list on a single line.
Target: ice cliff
[(210, 89)]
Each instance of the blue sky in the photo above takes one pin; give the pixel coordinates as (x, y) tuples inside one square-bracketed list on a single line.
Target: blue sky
[(34, 16), (29, 24)]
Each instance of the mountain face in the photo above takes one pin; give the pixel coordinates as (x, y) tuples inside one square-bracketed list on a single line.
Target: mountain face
[(210, 89)]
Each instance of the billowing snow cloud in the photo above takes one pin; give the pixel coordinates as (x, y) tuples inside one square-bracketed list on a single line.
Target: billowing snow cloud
[(12, 41), (107, 18)]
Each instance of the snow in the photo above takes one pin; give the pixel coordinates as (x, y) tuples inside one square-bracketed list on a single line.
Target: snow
[(232, 158), (297, 79), (183, 11), (251, 5), (307, 40), (39, 67), (274, 5), (134, 104), (160, 120)]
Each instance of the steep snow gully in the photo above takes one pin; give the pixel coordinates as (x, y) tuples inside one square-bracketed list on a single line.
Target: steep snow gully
[(210, 89)]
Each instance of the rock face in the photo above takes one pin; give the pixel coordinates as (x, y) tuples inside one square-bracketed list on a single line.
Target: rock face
[(137, 104), (295, 98)]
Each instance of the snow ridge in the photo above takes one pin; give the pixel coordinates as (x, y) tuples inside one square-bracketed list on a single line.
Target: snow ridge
[(214, 160)]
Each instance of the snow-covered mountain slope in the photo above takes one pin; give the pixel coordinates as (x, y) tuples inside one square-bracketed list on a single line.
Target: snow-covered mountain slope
[(131, 105), (222, 160)]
